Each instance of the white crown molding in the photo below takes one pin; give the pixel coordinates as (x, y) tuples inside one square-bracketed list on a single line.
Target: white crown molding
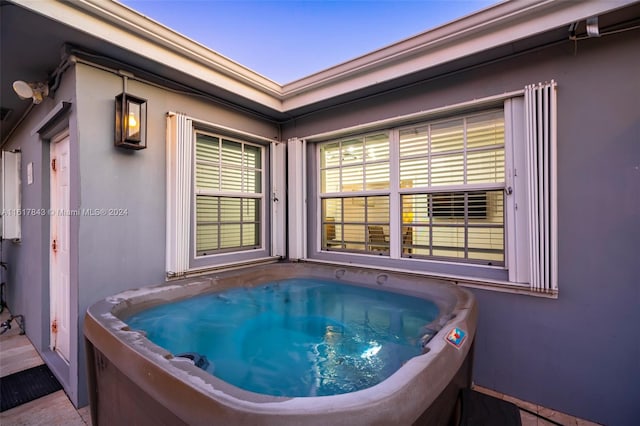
[(497, 25)]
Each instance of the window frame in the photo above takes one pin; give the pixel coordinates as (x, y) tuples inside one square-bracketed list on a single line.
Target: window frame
[(443, 268), (228, 257), (363, 193), (531, 263), (180, 164), (227, 194), (395, 190), (460, 188)]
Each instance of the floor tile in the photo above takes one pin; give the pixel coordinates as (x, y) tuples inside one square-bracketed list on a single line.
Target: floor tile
[(52, 410), (85, 413), (582, 422), (15, 328), (17, 354), (522, 404), (528, 419), (556, 416)]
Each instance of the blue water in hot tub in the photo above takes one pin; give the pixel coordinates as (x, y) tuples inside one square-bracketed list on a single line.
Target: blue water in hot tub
[(296, 337)]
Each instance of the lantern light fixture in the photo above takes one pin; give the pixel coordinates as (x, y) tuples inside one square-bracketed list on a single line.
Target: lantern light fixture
[(131, 121)]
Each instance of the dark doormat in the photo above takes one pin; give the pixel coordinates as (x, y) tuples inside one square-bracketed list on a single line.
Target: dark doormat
[(479, 409), (27, 385)]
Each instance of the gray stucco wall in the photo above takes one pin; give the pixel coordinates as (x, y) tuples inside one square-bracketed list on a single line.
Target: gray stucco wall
[(124, 252), (27, 277), (577, 354), (109, 254)]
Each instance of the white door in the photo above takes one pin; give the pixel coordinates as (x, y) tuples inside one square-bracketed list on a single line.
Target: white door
[(59, 265)]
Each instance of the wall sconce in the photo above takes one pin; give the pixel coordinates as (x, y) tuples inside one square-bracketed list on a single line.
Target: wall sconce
[(131, 122), (36, 91)]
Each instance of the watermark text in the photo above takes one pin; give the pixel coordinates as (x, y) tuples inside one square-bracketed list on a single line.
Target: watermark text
[(66, 212)]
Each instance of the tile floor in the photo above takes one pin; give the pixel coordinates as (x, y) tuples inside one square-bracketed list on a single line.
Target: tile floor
[(529, 419), (17, 354)]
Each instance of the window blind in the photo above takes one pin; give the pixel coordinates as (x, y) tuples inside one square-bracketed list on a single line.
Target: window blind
[(228, 194)]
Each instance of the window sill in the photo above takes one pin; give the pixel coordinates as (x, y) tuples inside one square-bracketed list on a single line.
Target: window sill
[(481, 283), (193, 272)]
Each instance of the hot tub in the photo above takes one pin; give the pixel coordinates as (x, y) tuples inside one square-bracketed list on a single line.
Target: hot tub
[(134, 381)]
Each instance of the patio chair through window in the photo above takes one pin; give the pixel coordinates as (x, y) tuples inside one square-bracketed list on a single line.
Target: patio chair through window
[(378, 240)]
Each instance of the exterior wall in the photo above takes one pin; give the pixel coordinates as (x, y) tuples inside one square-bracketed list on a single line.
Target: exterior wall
[(124, 252), (27, 277), (577, 354), (109, 254)]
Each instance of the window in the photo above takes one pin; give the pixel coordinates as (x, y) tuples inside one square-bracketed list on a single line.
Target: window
[(355, 194), (471, 196), (448, 179), (465, 156), (466, 192), (218, 212), (228, 194)]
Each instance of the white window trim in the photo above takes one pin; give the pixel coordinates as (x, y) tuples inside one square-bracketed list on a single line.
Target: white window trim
[(516, 194), (427, 115), (297, 174), (277, 171)]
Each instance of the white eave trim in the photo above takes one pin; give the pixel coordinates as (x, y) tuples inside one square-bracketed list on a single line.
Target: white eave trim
[(119, 25), (497, 25)]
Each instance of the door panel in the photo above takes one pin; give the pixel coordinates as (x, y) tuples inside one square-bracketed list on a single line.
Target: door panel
[(59, 248)]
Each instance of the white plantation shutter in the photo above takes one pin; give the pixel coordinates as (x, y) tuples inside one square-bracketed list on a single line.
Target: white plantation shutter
[(297, 219), (540, 127), (179, 149), (279, 196)]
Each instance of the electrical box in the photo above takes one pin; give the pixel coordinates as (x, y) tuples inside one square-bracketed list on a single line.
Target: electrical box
[(11, 206)]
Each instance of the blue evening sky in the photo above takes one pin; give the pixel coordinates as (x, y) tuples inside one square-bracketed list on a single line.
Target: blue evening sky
[(288, 40)]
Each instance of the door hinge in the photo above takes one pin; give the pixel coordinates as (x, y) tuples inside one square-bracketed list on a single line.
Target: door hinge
[(54, 326), (54, 245), (53, 164)]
